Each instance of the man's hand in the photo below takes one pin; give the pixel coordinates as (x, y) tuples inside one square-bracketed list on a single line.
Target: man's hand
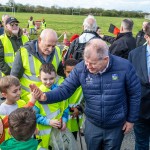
[(35, 94), (127, 127)]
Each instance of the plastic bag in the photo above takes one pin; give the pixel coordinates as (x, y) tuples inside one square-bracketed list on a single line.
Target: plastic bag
[(62, 140)]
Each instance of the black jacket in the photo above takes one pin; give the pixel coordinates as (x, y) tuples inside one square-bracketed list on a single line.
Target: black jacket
[(138, 58), (140, 40), (122, 44), (77, 46)]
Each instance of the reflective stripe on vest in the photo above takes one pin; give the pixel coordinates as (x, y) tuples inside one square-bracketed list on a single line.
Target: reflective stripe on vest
[(45, 132), (9, 52), (50, 115), (31, 66)]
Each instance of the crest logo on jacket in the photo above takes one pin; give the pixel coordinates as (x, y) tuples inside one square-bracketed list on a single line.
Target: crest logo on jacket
[(89, 80), (114, 76)]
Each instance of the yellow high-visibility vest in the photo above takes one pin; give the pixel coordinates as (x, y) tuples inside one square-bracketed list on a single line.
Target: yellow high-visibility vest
[(73, 101), (9, 53), (43, 25), (31, 25), (31, 66)]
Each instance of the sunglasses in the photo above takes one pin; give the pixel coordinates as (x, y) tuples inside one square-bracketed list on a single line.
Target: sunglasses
[(12, 24)]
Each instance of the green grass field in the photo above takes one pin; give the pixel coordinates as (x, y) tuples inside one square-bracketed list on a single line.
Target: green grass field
[(73, 24)]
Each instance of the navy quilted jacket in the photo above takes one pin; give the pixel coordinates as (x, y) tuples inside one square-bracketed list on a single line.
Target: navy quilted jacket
[(111, 98)]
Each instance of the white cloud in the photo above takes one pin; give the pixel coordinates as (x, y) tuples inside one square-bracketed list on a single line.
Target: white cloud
[(105, 4)]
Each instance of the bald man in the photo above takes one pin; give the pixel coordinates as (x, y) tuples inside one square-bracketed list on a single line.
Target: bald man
[(30, 57), (111, 92)]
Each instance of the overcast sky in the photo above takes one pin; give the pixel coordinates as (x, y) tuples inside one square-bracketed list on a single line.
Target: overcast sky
[(143, 5)]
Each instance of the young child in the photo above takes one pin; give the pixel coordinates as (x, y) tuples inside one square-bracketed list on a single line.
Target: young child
[(51, 113), (10, 89), (22, 125), (75, 120)]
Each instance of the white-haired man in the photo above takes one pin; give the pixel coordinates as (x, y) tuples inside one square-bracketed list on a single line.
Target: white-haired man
[(111, 92), (89, 32)]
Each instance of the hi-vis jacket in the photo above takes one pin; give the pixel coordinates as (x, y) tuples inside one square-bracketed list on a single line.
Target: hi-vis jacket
[(8, 49), (73, 101), (31, 24), (28, 63), (48, 112), (20, 104), (43, 25)]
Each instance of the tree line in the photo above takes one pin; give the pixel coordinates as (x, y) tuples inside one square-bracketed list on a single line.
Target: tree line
[(69, 11)]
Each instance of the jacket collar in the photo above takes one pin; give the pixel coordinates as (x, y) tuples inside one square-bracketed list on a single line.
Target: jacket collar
[(123, 34)]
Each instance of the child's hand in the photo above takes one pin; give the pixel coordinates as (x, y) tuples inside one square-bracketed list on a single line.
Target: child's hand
[(41, 96), (35, 95), (63, 127), (75, 112), (55, 123)]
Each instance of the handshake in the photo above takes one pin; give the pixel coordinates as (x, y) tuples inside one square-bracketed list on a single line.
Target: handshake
[(38, 94)]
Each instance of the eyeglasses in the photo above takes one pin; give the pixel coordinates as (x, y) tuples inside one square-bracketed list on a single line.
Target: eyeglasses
[(12, 24)]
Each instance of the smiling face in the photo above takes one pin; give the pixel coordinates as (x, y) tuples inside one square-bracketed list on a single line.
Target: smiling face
[(12, 94), (13, 28), (47, 79), (67, 70), (47, 42)]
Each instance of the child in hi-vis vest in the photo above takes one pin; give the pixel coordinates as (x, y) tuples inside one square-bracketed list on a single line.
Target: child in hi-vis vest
[(51, 115), (75, 115)]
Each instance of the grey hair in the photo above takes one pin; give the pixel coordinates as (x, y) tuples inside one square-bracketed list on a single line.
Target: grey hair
[(48, 32), (127, 24), (90, 24), (100, 46)]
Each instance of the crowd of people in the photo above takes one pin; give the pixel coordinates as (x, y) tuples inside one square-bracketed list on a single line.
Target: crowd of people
[(48, 91)]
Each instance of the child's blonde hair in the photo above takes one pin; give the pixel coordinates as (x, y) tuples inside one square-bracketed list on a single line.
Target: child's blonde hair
[(8, 81)]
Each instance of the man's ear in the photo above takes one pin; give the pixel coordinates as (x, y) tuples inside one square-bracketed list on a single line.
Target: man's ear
[(4, 94)]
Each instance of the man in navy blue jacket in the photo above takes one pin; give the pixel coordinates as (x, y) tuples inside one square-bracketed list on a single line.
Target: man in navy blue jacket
[(111, 91), (140, 58)]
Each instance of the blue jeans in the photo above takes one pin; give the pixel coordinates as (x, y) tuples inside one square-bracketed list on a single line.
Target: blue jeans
[(142, 134), (97, 138)]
